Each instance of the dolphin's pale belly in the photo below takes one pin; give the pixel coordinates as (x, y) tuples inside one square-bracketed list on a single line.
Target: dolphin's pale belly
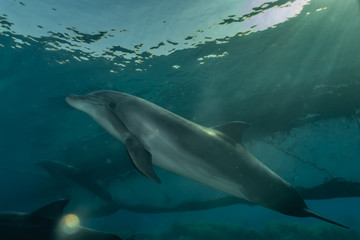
[(168, 155)]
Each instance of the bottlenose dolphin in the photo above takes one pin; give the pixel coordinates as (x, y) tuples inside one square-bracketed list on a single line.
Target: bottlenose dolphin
[(335, 188), (212, 156), (72, 174), (47, 223)]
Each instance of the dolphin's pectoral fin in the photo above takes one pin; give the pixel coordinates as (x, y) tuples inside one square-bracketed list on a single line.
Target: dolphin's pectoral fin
[(141, 158), (233, 129)]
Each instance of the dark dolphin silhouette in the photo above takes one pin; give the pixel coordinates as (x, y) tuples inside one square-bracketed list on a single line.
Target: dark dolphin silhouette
[(212, 156), (69, 173), (334, 188), (47, 223)]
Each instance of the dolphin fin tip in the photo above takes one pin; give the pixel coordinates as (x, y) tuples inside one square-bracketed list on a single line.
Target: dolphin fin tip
[(156, 179), (234, 130)]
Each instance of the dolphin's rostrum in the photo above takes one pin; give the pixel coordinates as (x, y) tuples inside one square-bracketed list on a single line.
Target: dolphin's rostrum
[(212, 156)]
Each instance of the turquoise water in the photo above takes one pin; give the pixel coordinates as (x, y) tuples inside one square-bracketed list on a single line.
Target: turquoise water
[(291, 69)]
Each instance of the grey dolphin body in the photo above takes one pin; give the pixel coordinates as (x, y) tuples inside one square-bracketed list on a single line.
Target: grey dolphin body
[(45, 224), (61, 171), (211, 156)]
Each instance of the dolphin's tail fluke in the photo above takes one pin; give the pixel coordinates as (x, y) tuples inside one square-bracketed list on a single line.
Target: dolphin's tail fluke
[(312, 214)]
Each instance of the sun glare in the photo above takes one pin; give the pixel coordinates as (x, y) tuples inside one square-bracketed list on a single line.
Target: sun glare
[(70, 223)]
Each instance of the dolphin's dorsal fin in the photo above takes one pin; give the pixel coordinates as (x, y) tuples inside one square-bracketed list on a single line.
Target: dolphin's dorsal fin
[(141, 158), (233, 129), (52, 211)]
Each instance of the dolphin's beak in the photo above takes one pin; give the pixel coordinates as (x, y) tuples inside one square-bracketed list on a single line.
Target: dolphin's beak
[(78, 102), (72, 99), (43, 163)]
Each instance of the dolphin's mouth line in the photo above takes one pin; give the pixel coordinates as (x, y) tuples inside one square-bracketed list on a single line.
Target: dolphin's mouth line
[(72, 100)]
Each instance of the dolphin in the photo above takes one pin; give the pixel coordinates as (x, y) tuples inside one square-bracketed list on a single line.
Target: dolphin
[(334, 188), (212, 156), (72, 174), (47, 223)]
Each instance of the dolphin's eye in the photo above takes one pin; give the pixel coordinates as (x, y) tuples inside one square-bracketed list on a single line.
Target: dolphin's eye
[(112, 105)]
